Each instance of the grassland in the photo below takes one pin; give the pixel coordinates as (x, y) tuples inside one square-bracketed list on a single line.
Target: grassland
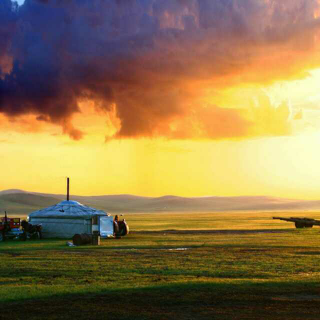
[(213, 221), (172, 266)]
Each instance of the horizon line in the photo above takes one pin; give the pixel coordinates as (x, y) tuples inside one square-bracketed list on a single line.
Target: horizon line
[(160, 196)]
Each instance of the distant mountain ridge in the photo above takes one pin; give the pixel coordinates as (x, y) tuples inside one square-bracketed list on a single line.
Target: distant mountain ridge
[(10, 191), (24, 202)]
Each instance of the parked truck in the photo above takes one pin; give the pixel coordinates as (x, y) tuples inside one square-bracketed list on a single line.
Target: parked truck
[(14, 228), (9, 227)]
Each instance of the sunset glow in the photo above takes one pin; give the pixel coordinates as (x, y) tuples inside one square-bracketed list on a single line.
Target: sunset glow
[(191, 98)]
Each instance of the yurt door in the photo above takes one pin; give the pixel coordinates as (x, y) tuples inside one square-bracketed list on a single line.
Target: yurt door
[(106, 226)]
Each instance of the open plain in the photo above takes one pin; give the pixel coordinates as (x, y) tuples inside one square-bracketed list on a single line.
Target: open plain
[(171, 266)]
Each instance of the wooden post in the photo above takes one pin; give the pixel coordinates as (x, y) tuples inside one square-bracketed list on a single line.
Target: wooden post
[(95, 231), (96, 238), (67, 189)]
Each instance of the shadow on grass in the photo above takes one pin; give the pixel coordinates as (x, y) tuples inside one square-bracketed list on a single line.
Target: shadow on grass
[(309, 253), (16, 248), (196, 300)]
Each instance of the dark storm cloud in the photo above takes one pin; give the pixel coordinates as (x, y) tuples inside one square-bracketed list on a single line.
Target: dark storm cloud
[(141, 57)]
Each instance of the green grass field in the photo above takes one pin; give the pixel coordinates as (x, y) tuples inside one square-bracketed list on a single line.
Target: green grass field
[(213, 221), (257, 268)]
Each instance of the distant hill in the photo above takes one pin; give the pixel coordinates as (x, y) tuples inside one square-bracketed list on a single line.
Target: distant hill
[(10, 191), (23, 202)]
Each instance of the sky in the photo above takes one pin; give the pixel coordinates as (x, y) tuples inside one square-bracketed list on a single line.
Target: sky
[(157, 97)]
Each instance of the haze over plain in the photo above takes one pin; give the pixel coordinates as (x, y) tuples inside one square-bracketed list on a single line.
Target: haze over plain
[(22, 202)]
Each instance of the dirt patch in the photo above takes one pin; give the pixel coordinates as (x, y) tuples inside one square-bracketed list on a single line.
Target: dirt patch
[(309, 253), (260, 250), (11, 254)]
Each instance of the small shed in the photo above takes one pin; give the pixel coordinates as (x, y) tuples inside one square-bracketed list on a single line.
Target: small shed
[(67, 218)]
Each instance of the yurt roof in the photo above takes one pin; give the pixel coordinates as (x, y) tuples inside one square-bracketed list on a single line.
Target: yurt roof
[(67, 210)]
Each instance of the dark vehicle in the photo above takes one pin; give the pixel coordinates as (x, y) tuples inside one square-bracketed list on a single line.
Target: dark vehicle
[(120, 228), (31, 231), (301, 222), (9, 228)]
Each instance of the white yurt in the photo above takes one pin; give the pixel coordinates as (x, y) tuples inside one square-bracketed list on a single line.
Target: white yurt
[(68, 218)]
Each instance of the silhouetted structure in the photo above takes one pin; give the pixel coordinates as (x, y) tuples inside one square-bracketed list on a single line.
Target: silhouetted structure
[(301, 222)]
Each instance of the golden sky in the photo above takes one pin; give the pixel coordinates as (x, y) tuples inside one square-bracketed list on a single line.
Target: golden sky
[(193, 99)]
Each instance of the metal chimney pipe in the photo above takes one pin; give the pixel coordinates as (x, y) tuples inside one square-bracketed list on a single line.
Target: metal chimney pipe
[(67, 189)]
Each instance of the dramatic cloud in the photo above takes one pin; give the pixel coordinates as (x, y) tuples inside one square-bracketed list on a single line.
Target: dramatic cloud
[(149, 62)]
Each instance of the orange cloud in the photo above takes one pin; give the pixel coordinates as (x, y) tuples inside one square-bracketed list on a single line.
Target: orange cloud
[(146, 65)]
